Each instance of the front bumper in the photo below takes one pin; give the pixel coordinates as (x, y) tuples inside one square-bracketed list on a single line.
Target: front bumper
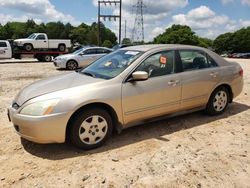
[(59, 63), (40, 129)]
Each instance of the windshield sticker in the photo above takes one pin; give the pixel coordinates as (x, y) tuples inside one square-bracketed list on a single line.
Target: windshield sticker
[(131, 53)]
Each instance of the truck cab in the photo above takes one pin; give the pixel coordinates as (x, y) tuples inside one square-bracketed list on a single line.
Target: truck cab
[(5, 49)]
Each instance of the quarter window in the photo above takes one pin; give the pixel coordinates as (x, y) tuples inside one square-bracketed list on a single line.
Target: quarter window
[(159, 64), (193, 60)]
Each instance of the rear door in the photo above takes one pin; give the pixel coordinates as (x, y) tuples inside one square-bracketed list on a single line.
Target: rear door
[(200, 75), (87, 57), (5, 50), (160, 94)]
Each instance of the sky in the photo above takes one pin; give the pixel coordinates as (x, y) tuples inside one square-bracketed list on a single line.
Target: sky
[(208, 18)]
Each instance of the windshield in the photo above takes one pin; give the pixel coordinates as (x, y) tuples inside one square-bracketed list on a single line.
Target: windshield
[(112, 64), (32, 36), (78, 51)]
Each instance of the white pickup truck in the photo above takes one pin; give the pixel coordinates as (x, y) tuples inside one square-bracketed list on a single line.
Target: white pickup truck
[(41, 41), (5, 49)]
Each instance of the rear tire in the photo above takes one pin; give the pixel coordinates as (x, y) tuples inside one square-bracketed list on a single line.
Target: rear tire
[(71, 65), (218, 101), (90, 128), (61, 47), (47, 58), (28, 47)]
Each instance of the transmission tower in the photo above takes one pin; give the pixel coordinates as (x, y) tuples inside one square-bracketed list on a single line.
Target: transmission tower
[(138, 30)]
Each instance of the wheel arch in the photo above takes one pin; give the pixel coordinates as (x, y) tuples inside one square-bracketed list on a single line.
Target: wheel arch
[(101, 105), (228, 87)]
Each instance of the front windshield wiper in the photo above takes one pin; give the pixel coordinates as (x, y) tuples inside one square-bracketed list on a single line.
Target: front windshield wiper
[(88, 74)]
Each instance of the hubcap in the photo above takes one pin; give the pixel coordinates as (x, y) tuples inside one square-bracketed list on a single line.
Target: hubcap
[(93, 129), (72, 65), (47, 58), (220, 101)]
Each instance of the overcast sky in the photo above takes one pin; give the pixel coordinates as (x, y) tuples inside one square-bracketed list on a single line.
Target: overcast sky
[(208, 18)]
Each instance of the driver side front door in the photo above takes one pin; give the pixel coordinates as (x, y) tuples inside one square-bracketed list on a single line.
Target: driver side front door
[(159, 95)]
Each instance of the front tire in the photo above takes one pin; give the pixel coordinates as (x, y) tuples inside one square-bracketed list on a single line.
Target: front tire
[(91, 128), (71, 65), (218, 101), (28, 47)]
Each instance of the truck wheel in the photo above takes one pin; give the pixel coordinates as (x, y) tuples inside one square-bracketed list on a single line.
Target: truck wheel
[(28, 47), (61, 47), (71, 65), (47, 58)]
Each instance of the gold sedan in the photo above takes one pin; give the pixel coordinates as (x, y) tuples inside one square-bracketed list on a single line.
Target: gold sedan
[(122, 89)]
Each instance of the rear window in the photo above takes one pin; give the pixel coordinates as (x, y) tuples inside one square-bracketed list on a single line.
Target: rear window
[(3, 44)]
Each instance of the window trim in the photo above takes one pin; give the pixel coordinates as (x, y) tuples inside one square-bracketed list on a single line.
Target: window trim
[(127, 78), (197, 50)]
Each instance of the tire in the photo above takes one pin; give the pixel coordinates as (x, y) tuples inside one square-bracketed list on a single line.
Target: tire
[(47, 58), (61, 47), (218, 101), (71, 65), (28, 47), (91, 128)]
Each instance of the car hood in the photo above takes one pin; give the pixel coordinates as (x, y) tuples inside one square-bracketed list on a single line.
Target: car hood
[(66, 56), (53, 84), (23, 40)]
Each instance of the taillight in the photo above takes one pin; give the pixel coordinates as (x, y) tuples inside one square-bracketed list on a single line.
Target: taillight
[(241, 72)]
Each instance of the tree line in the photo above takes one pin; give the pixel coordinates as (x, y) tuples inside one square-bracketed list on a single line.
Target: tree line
[(238, 41), (83, 34)]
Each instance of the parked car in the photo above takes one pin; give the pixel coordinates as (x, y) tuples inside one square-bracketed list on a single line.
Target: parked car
[(80, 58), (5, 49), (122, 89), (41, 41)]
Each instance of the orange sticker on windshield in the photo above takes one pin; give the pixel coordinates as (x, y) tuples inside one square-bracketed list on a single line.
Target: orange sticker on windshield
[(163, 60)]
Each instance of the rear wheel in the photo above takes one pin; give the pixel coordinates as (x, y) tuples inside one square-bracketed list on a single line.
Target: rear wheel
[(218, 101), (47, 58), (71, 65), (91, 128), (62, 48)]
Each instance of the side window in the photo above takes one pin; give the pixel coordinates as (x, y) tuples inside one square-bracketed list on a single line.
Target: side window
[(40, 37), (100, 51), (158, 64), (3, 44), (194, 59), (90, 52)]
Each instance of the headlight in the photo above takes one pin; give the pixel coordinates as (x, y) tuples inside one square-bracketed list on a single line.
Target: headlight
[(40, 108)]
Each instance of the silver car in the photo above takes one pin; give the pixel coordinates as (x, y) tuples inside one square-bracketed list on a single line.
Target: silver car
[(80, 58), (122, 89)]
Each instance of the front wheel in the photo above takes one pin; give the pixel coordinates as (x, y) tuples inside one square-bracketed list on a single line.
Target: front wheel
[(91, 128), (71, 65), (28, 47), (218, 101)]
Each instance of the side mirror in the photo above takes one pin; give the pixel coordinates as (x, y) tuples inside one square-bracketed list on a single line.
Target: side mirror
[(140, 75)]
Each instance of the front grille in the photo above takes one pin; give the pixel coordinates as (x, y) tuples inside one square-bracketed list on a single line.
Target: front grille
[(15, 106)]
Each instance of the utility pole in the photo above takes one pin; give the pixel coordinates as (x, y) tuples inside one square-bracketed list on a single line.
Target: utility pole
[(109, 16), (138, 30), (125, 33)]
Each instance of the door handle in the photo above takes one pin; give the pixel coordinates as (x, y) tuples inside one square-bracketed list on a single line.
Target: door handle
[(173, 82), (213, 74)]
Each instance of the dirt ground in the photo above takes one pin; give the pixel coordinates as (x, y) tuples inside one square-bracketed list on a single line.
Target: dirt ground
[(193, 150)]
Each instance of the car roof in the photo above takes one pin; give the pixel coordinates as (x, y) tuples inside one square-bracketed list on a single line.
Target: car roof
[(95, 47), (148, 47)]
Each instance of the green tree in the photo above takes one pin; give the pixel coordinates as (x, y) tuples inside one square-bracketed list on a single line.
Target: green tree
[(126, 41), (177, 34), (107, 44)]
